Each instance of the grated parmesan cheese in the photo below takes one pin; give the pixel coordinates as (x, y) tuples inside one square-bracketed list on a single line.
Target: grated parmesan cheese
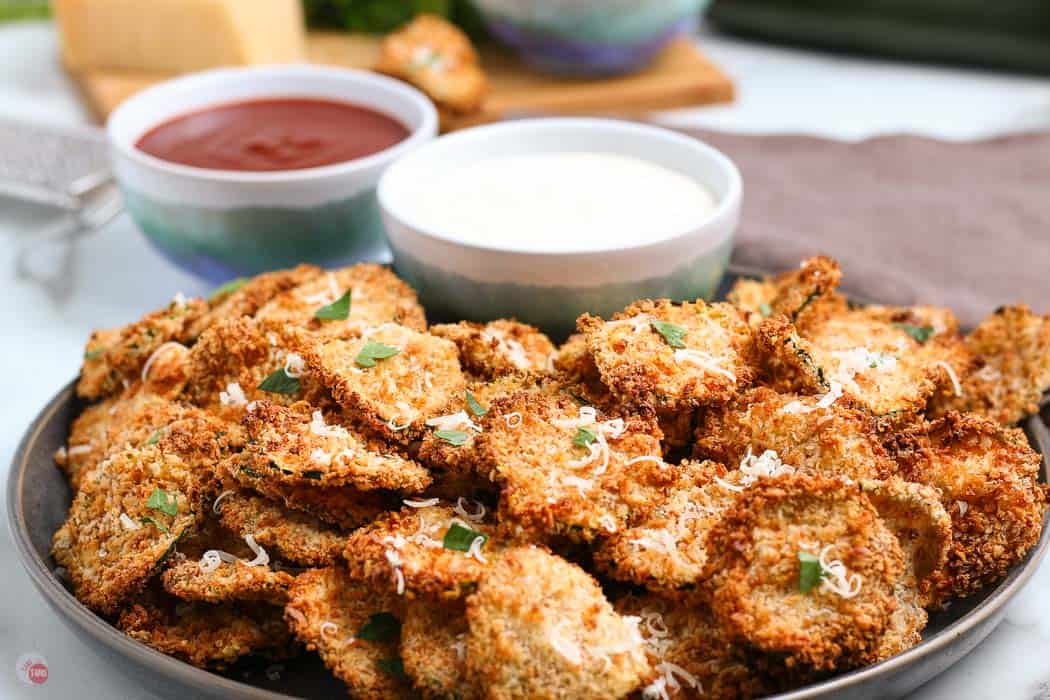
[(224, 494), (837, 578), (513, 420), (261, 557), (703, 360), (476, 516), (421, 504), (157, 353), (75, 450), (233, 396), (514, 350), (956, 387), (454, 421), (294, 365), (128, 523)]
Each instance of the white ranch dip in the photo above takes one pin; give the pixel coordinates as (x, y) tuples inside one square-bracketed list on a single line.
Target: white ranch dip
[(561, 202)]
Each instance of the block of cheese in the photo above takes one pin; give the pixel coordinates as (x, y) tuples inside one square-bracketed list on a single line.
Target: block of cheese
[(174, 36)]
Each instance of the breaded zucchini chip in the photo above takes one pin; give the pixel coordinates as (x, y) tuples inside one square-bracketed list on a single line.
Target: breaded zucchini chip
[(833, 440), (244, 297), (690, 654), (354, 628), (434, 650), (393, 380), (426, 548), (1013, 357), (294, 446), (124, 522), (808, 292), (564, 469), (498, 347), (668, 550), (237, 361), (670, 355), (295, 537), (344, 507), (805, 571), (377, 296), (575, 375), (205, 635), (753, 296), (987, 475), (115, 358), (541, 628), (786, 359)]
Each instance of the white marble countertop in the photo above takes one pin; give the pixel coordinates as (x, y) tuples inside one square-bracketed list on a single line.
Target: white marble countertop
[(117, 277)]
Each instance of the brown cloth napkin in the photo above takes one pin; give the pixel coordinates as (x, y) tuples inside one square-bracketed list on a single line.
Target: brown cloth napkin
[(911, 219)]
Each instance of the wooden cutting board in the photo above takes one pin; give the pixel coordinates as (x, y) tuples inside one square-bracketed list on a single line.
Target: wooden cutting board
[(680, 76)]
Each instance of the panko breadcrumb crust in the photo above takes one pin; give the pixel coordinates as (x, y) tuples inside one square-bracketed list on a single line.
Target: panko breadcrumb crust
[(448, 512)]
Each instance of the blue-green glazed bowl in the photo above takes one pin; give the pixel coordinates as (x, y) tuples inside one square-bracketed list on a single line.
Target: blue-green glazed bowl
[(461, 280), (219, 224), (589, 37)]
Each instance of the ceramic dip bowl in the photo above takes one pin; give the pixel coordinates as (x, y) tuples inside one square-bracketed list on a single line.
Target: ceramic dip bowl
[(224, 223), (483, 280)]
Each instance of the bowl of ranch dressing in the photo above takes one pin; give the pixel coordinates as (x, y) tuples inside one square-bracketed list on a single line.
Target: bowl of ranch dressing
[(544, 219)]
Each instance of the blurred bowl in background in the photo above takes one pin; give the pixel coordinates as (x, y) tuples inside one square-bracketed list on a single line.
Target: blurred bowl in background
[(550, 288), (220, 224), (589, 37)]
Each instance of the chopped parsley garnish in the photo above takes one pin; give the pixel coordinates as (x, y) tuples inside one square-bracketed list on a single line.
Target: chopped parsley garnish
[(393, 666), (338, 310), (154, 437), (476, 408), (280, 383), (920, 333), (373, 351), (809, 572), (163, 501), (765, 309), (452, 437), (460, 538), (673, 335), (94, 354), (584, 437), (150, 521), (227, 289), (381, 627)]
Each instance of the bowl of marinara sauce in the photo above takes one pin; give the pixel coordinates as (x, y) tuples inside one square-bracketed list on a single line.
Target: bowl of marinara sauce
[(236, 171)]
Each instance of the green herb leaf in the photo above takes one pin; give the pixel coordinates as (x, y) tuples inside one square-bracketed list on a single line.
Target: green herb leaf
[(394, 666), (584, 437), (809, 572), (94, 354), (224, 290), (373, 351), (476, 408), (920, 333), (163, 501), (453, 437), (765, 309), (460, 538), (146, 520), (338, 310), (154, 437), (280, 383), (381, 627), (673, 335)]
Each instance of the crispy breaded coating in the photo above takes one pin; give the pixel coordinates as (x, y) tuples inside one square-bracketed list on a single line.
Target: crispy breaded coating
[(757, 592), (836, 440), (202, 440), (251, 295), (295, 537), (328, 612), (205, 635), (690, 654), (753, 296), (575, 374), (114, 359), (343, 507), (1013, 357), (498, 347), (377, 296), (668, 550), (558, 480), (786, 359), (906, 625), (437, 57), (296, 447), (404, 551), (640, 366), (809, 291), (434, 650), (541, 628), (988, 479), (117, 533), (397, 394)]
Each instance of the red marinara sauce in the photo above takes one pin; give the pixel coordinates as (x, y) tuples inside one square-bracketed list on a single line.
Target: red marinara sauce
[(273, 134)]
